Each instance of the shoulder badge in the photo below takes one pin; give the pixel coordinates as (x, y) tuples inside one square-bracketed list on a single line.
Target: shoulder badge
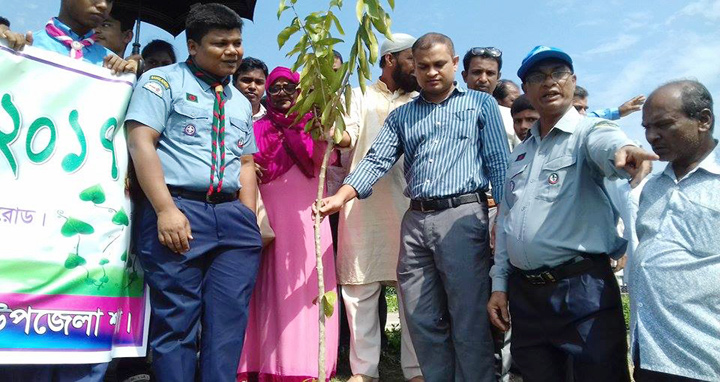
[(154, 88), (160, 80)]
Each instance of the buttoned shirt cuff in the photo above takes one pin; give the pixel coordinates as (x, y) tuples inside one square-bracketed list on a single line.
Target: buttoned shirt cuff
[(499, 284), (362, 190)]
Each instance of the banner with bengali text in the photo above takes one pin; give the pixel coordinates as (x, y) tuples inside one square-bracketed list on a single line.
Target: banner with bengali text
[(70, 290)]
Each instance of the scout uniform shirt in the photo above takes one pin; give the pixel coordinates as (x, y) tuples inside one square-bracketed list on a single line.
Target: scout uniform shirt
[(555, 205), (93, 54), (178, 105)]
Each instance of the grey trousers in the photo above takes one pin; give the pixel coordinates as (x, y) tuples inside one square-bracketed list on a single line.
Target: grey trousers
[(443, 281)]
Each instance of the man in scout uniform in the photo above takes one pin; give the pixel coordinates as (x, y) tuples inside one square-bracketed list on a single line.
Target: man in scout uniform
[(556, 232), (190, 135)]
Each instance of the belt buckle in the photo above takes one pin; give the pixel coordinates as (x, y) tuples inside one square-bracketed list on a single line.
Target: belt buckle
[(423, 209), (536, 279)]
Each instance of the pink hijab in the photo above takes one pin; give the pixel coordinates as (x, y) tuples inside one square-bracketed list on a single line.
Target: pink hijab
[(282, 144)]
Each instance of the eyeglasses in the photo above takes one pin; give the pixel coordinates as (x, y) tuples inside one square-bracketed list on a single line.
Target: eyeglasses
[(487, 51), (538, 77), (288, 89)]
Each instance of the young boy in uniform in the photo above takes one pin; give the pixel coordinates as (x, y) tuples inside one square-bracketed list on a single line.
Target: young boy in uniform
[(197, 236)]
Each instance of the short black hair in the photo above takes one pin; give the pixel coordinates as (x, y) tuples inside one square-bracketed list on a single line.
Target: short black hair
[(125, 16), (155, 46), (520, 104), (427, 40), (580, 92), (695, 98), (469, 56), (337, 55), (4, 21), (205, 17), (503, 89), (250, 63)]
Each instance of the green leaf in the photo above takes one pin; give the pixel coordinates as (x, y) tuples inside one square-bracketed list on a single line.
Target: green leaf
[(123, 257), (337, 23), (90, 281), (336, 3), (329, 41), (93, 194), (339, 129), (74, 227), (359, 9), (104, 279), (282, 8), (104, 261), (328, 303), (348, 97), (392, 4), (73, 261), (285, 34), (121, 218)]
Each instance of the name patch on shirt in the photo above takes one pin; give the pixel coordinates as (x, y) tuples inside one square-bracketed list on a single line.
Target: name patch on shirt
[(154, 88), (161, 80)]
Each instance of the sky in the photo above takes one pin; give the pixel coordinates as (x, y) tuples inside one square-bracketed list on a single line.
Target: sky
[(620, 48)]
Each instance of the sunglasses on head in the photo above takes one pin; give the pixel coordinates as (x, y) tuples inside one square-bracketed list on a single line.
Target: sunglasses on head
[(487, 51), (288, 89)]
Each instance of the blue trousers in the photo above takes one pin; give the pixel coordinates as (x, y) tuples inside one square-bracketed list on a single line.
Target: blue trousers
[(444, 285), (210, 284), (53, 373), (578, 319)]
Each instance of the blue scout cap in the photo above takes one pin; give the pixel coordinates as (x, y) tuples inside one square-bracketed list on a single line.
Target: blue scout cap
[(539, 53)]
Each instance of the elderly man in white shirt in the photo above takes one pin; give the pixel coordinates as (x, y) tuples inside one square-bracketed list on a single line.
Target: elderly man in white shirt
[(369, 229)]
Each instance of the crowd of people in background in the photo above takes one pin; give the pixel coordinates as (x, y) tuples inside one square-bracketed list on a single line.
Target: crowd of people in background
[(493, 207)]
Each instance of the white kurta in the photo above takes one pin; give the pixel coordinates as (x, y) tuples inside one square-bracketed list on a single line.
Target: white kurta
[(369, 229)]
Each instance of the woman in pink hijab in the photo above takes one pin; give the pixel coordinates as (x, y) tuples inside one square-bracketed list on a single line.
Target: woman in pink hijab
[(281, 344)]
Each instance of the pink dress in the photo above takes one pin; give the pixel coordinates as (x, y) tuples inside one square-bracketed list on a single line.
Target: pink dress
[(281, 342)]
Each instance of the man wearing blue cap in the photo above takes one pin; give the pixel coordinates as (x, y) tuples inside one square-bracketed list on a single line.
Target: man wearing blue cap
[(556, 233)]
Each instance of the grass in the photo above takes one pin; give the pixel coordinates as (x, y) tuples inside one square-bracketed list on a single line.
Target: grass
[(392, 299)]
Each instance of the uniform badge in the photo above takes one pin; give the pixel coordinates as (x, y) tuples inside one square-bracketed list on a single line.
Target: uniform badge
[(154, 88), (520, 157), (160, 80), (191, 97), (189, 130), (240, 144), (512, 186), (553, 178)]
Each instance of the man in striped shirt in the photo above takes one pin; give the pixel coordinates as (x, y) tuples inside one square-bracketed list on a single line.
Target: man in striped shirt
[(455, 146)]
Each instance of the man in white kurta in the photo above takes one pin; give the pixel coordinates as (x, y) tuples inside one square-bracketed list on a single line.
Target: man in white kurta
[(369, 229)]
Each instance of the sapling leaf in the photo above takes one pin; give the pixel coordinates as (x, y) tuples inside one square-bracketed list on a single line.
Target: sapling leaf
[(121, 218), (93, 194), (74, 227)]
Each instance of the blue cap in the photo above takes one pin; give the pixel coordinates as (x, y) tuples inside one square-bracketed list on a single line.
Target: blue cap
[(539, 53)]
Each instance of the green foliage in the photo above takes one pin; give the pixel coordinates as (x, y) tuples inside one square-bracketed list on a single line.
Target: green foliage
[(322, 88), (328, 303), (392, 299), (626, 309)]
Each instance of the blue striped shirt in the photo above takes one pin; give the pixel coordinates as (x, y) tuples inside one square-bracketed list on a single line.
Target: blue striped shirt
[(451, 148)]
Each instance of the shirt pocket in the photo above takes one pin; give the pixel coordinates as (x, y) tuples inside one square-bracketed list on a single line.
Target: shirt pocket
[(516, 178), (700, 237), (237, 135), (557, 178), (190, 125)]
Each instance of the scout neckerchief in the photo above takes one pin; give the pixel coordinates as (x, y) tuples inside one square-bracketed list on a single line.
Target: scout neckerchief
[(76, 47), (218, 124)]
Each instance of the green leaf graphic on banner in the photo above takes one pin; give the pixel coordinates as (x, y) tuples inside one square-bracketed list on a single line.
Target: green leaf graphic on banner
[(73, 261), (124, 256), (104, 280), (74, 227), (104, 261), (93, 194), (121, 218)]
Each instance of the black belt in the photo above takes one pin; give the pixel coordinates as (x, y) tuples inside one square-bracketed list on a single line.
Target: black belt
[(215, 198), (443, 204), (572, 268)]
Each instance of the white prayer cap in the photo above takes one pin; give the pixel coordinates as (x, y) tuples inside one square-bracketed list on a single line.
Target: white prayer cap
[(400, 42)]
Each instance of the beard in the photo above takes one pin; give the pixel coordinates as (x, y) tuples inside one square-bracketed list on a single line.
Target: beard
[(406, 82)]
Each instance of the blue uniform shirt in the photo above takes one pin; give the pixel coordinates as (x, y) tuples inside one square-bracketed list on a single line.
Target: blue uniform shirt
[(178, 105), (93, 54)]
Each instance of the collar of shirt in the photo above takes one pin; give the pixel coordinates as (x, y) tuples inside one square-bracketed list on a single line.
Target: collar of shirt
[(261, 113), (457, 90), (711, 164), (69, 31), (204, 85), (567, 124), (382, 88)]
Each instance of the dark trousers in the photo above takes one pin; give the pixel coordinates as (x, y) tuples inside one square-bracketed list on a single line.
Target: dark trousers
[(443, 281), (577, 319), (212, 284), (53, 373)]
